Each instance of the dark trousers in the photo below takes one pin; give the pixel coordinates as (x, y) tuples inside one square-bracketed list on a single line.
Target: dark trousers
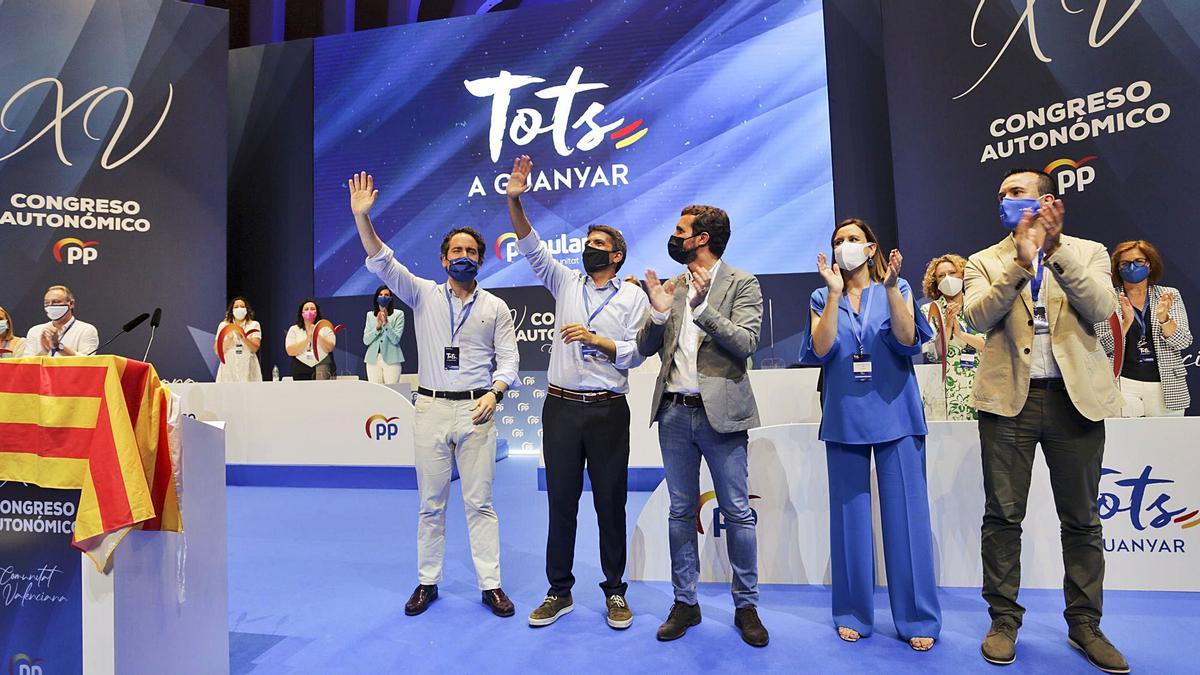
[(1074, 449), (595, 435)]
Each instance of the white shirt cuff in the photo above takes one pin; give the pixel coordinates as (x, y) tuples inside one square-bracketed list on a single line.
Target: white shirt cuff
[(530, 243), (659, 318)]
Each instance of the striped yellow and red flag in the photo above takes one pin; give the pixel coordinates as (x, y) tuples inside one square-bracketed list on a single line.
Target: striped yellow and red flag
[(99, 424)]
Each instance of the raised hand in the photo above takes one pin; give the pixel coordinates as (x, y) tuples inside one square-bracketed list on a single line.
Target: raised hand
[(893, 269), (1126, 313), (362, 193), (518, 180), (662, 296), (1030, 237), (1163, 310), (831, 275)]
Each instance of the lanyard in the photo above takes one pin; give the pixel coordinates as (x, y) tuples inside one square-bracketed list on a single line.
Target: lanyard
[(56, 350), (587, 309), (1035, 286), (466, 312), (1140, 317), (858, 322)]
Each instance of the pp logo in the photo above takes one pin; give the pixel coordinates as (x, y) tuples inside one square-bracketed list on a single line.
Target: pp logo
[(528, 381), (507, 419), (1072, 174), (513, 393), (77, 251), (23, 664), (523, 407), (527, 447), (539, 393), (518, 433), (532, 419), (499, 407), (380, 428)]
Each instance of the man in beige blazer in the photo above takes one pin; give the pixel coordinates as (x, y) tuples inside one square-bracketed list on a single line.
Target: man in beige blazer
[(1043, 378)]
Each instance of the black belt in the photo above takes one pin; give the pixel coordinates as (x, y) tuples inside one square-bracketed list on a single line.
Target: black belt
[(689, 400), (1049, 384), (582, 396), (453, 395)]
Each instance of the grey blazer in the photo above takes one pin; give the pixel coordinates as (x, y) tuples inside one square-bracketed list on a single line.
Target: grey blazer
[(729, 328)]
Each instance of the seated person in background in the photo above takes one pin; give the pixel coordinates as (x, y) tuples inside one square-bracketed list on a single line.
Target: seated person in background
[(240, 350), (954, 344), (381, 336), (307, 365), (1154, 324), (11, 346), (63, 334)]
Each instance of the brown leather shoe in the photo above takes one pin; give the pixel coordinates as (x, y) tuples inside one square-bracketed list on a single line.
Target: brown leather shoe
[(1087, 638), (682, 617), (1000, 644), (420, 600), (498, 602), (753, 632)]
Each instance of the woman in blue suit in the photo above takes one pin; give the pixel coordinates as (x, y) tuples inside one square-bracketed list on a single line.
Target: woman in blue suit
[(864, 335)]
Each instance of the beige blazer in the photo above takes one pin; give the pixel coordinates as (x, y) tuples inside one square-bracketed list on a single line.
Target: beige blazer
[(1078, 292)]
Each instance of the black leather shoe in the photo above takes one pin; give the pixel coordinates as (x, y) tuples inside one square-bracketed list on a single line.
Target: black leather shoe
[(420, 600), (498, 602), (753, 632), (682, 617)]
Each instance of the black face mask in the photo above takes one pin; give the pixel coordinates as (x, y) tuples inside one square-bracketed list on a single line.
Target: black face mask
[(595, 259), (678, 253)]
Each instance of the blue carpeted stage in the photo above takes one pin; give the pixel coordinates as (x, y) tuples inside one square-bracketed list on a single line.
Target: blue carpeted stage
[(318, 580)]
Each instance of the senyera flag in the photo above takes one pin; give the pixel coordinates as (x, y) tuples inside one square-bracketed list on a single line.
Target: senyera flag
[(99, 424)]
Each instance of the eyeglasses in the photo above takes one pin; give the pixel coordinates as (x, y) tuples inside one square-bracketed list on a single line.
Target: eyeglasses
[(1124, 264)]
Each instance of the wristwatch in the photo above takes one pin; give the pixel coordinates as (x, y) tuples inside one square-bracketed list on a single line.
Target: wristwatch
[(497, 393)]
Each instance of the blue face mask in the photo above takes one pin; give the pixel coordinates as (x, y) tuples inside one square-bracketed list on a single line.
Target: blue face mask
[(1013, 210), (3, 326), (463, 269), (1135, 273), (384, 300)]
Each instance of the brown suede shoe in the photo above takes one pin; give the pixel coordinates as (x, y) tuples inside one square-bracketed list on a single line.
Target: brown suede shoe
[(1000, 645), (550, 610), (620, 616), (420, 600), (682, 617), (1087, 638), (498, 602), (753, 632)]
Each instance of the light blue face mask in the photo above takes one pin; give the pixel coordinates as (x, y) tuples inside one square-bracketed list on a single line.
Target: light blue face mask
[(3, 326), (1012, 210)]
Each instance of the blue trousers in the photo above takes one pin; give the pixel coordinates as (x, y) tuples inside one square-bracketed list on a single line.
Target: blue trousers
[(907, 539), (684, 435)]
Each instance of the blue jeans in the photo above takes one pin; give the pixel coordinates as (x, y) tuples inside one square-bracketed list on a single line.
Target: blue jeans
[(684, 435)]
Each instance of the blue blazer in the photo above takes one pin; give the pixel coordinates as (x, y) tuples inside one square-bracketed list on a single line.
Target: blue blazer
[(386, 341)]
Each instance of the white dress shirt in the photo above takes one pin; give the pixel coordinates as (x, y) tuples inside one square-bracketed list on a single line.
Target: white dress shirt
[(79, 336), (683, 377), (618, 321), (1041, 364), (488, 334)]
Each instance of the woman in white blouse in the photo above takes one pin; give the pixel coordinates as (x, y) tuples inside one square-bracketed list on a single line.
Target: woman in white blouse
[(240, 348), (307, 365)]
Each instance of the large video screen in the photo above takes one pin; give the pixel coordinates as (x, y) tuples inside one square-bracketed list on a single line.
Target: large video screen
[(630, 110)]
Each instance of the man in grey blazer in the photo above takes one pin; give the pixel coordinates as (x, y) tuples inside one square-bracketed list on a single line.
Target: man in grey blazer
[(704, 325)]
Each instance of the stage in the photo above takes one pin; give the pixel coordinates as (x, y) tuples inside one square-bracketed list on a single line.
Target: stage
[(318, 579)]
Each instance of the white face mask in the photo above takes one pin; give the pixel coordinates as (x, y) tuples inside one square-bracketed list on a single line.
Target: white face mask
[(239, 313), (950, 285), (3, 327), (850, 255), (56, 312)]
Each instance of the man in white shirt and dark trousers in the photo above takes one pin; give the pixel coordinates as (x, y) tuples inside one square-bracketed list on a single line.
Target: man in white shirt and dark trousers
[(461, 330), (585, 418), (63, 334), (705, 324)]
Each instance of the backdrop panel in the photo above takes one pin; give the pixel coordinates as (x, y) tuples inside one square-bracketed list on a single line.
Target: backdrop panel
[(112, 166), (1101, 95)]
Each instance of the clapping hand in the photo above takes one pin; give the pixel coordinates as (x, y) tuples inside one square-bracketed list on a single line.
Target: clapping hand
[(661, 295), (1126, 313), (831, 275), (1163, 310), (1030, 237), (893, 269), (701, 280)]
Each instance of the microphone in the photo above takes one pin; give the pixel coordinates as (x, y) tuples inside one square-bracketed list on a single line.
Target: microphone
[(153, 327), (129, 325)]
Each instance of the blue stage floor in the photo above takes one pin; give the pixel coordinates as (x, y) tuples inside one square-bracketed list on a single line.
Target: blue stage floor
[(318, 579)]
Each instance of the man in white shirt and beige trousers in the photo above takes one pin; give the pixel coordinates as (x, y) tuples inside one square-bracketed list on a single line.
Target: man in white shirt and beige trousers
[(461, 331)]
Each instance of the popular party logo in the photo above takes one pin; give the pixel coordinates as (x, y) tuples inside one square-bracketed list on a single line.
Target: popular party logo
[(527, 124), (1146, 504), (505, 247), (78, 251), (24, 664), (381, 428), (1072, 173), (718, 521)]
